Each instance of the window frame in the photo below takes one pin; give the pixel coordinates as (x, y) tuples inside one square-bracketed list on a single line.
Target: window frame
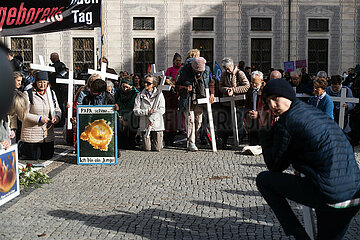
[(93, 62), (260, 29), (202, 19), (143, 23), (26, 64), (316, 30)]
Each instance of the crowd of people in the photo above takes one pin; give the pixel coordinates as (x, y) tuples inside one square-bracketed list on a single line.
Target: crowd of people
[(301, 132), (177, 110)]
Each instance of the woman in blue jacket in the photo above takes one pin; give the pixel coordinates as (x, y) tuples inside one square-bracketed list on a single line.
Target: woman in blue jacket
[(321, 99), (316, 147)]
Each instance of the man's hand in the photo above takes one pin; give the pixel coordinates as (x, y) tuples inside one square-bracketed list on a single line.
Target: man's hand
[(230, 92), (6, 144), (253, 114), (212, 98), (116, 107), (345, 105)]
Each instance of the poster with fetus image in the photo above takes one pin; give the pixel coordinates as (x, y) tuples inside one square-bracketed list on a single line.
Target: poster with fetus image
[(9, 174), (96, 135)]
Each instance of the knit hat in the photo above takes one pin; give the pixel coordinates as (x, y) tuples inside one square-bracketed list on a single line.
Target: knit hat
[(41, 76), (199, 64), (279, 87)]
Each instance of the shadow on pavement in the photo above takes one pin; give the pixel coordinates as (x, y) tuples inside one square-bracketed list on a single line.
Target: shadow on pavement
[(161, 224), (241, 192)]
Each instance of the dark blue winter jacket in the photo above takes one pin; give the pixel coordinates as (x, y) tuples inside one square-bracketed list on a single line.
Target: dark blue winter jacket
[(315, 145)]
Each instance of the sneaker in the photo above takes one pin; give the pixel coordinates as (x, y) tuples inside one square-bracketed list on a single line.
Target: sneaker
[(192, 147)]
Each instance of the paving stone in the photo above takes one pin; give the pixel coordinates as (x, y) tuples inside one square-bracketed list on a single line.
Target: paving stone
[(165, 195)]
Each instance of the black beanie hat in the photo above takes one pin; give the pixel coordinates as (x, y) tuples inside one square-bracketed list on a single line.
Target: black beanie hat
[(279, 87), (41, 76)]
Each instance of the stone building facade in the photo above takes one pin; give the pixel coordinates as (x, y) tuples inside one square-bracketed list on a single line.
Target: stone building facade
[(262, 33)]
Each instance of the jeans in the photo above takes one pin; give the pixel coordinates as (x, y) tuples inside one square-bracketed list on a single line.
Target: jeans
[(276, 187)]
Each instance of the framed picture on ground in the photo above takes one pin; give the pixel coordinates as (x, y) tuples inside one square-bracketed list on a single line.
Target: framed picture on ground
[(96, 135), (9, 174)]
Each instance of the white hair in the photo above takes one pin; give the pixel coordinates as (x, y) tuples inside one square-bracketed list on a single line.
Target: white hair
[(321, 74), (109, 83), (257, 73), (296, 72), (227, 62)]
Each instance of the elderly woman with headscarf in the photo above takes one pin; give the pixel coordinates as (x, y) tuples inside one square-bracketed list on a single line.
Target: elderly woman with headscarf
[(37, 132), (128, 122), (150, 106)]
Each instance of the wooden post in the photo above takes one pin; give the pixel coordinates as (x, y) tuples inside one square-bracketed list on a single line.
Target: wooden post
[(210, 116), (232, 101)]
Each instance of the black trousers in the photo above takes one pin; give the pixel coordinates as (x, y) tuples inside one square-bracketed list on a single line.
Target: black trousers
[(35, 151), (276, 187)]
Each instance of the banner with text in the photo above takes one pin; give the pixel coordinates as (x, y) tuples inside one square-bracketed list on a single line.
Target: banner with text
[(9, 174), (20, 17), (96, 135)]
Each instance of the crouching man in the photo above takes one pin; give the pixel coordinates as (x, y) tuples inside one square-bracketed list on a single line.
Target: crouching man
[(316, 147)]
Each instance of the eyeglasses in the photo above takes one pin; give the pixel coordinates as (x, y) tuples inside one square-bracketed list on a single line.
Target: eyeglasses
[(148, 83)]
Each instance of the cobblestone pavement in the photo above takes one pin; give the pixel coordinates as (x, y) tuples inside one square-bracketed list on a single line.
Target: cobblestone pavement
[(149, 195)]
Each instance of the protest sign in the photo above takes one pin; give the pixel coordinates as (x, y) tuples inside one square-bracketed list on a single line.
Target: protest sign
[(43, 16), (96, 135), (9, 174), (289, 66), (300, 64)]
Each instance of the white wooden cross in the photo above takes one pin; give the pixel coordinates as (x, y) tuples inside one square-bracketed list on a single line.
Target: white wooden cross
[(70, 82), (161, 87), (43, 67), (232, 101), (342, 100), (206, 101), (103, 73)]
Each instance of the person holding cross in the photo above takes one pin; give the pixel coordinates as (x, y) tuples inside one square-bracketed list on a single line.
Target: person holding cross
[(318, 149), (151, 113), (334, 90), (232, 82), (194, 77)]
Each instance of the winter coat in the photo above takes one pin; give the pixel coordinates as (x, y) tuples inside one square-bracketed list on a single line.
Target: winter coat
[(172, 71), (315, 146), (338, 94), (325, 104), (33, 130), (254, 124), (235, 80), (126, 102), (142, 106)]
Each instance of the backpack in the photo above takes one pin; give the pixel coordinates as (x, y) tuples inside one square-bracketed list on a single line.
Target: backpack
[(31, 96)]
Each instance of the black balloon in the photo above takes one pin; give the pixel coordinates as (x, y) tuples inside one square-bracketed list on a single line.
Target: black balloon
[(7, 84)]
